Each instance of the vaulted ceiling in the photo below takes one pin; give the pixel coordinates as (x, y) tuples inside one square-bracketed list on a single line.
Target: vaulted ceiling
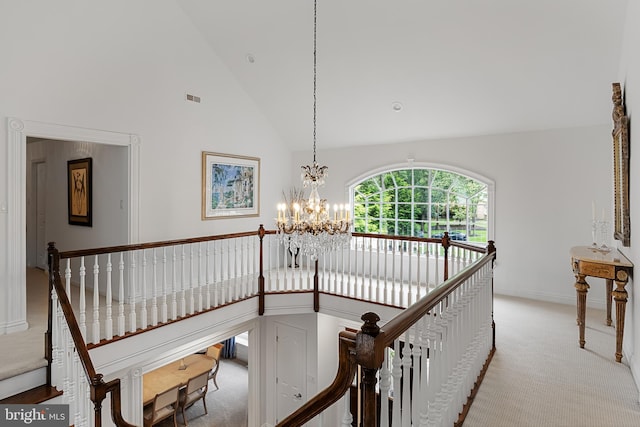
[(457, 67)]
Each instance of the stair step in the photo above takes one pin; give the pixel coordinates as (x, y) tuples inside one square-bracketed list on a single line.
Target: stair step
[(35, 395)]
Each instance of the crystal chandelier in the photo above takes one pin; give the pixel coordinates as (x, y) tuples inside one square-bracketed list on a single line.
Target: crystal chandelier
[(308, 226)]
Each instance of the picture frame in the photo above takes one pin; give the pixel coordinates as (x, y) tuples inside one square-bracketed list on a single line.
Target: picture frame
[(620, 134), (230, 186), (80, 192)]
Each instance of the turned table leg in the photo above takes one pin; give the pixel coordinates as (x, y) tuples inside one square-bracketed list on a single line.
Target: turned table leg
[(620, 297), (582, 288), (609, 290)]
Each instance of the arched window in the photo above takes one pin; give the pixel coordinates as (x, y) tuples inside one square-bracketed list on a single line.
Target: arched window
[(423, 202)]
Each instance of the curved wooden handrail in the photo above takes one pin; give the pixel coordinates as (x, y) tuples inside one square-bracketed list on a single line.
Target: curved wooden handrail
[(339, 386)]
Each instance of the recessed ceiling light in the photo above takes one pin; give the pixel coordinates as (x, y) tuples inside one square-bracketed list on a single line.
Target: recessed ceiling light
[(396, 106), (250, 58)]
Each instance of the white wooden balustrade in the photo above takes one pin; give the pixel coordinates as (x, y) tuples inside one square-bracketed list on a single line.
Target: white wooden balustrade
[(430, 372), (427, 374), (160, 284)]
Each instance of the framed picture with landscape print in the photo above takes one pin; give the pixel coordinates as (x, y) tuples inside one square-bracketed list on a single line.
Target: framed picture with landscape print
[(79, 192), (620, 133), (230, 186)]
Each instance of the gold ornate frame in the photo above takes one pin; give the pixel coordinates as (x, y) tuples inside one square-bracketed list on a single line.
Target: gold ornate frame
[(620, 133)]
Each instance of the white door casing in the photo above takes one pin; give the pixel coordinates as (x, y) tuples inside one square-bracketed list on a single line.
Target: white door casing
[(16, 210)]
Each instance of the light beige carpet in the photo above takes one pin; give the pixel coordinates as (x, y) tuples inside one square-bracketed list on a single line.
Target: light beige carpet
[(539, 376), (24, 351)]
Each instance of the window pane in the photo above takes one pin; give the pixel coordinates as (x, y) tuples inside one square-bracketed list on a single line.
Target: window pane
[(389, 196), (439, 196), (388, 211), (403, 177), (420, 195), (421, 177), (421, 212), (443, 180), (404, 194), (404, 211)]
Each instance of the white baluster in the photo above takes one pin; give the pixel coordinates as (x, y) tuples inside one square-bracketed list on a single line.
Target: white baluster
[(386, 277), (192, 282), (358, 272), (378, 297), (385, 384), (419, 248), (56, 372), (132, 291), (396, 373), (163, 307), (96, 302), (216, 282), (154, 291), (174, 278), (108, 318), (67, 279), (410, 299), (143, 306), (416, 353), (393, 273), (83, 317), (230, 290), (121, 296), (183, 287), (406, 381), (208, 275), (201, 279), (347, 418), (423, 396)]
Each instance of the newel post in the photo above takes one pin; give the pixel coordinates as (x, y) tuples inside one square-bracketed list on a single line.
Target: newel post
[(371, 361), (316, 288), (261, 233), (446, 242), (54, 267)]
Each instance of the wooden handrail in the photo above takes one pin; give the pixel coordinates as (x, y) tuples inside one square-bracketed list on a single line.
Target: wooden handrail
[(339, 386)]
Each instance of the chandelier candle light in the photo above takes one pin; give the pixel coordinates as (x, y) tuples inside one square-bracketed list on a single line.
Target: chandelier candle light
[(308, 225)]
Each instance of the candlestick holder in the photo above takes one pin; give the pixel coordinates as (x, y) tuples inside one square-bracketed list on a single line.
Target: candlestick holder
[(604, 236), (594, 234)]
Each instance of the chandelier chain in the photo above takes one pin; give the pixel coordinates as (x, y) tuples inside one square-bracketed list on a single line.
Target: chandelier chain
[(315, 54)]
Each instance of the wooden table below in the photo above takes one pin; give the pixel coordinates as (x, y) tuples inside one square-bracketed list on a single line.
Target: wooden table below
[(169, 376)]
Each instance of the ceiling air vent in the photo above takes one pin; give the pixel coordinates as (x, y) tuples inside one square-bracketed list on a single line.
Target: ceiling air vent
[(193, 98)]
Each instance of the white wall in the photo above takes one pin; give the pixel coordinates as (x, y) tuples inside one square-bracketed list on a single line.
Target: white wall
[(630, 80), (125, 67), (545, 183), (110, 201)]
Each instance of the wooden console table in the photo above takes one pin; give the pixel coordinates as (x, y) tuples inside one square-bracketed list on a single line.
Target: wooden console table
[(612, 266)]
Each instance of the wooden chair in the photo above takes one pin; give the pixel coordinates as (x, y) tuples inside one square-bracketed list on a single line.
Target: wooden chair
[(214, 352), (195, 390), (164, 406)]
